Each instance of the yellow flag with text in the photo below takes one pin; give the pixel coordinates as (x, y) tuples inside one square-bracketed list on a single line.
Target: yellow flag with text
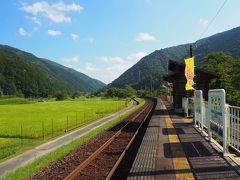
[(189, 73)]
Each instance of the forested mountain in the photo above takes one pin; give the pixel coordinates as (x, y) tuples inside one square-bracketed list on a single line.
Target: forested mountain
[(149, 71), (227, 69), (24, 73)]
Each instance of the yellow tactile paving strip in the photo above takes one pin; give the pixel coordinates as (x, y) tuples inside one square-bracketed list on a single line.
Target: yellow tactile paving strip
[(181, 166)]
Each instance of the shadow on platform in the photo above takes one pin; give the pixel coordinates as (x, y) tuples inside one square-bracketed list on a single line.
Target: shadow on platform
[(191, 149)]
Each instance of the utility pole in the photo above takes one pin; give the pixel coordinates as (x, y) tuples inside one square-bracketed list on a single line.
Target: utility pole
[(191, 55), (191, 51), (25, 86), (139, 76), (151, 84), (195, 71)]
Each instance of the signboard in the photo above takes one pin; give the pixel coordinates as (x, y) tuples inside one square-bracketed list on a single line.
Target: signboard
[(189, 73), (198, 108), (217, 115)]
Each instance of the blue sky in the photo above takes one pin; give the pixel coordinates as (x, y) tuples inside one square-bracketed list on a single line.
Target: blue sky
[(103, 38)]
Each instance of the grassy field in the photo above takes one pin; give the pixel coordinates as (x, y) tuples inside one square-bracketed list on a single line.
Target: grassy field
[(30, 169), (23, 125)]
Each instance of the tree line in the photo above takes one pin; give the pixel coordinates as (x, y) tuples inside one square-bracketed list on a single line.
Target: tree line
[(227, 69)]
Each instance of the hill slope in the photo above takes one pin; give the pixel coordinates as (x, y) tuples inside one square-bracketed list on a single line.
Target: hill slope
[(150, 69), (22, 72)]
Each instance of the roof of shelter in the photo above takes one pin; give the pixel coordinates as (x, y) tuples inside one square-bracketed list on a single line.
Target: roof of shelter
[(177, 68)]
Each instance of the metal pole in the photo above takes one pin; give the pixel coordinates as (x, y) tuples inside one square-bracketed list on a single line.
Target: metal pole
[(76, 119), (151, 84), (43, 129), (139, 76), (21, 135), (52, 127), (67, 123)]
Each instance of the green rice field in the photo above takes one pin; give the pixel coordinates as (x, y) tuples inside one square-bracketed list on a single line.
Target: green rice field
[(23, 126)]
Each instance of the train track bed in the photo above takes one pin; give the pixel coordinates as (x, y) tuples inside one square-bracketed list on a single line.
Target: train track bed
[(87, 161)]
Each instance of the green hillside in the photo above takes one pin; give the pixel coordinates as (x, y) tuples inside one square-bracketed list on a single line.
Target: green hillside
[(24, 73), (228, 70), (150, 69)]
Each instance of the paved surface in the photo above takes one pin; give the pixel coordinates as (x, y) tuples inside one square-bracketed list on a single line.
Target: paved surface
[(50, 146), (173, 149)]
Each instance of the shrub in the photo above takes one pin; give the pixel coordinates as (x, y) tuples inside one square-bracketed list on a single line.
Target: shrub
[(60, 95)]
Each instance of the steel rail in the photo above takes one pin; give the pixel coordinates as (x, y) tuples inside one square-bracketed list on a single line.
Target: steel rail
[(93, 156), (110, 174)]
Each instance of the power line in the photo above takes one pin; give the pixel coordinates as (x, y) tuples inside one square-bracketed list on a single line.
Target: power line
[(219, 10)]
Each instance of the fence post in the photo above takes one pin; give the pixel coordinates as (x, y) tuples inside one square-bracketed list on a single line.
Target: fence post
[(209, 121), (52, 127), (195, 111), (227, 124), (21, 135), (67, 124), (84, 114), (201, 116), (76, 119), (43, 129)]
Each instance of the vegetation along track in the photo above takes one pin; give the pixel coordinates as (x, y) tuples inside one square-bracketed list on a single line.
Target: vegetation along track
[(99, 158)]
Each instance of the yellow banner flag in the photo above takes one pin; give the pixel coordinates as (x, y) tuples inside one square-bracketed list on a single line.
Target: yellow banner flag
[(189, 73)]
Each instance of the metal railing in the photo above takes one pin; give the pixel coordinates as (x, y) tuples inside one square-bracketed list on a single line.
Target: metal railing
[(228, 131), (234, 127)]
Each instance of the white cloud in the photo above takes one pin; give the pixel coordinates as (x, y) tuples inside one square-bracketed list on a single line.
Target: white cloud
[(56, 12), (88, 68), (54, 32), (108, 59), (116, 65), (75, 37), (145, 37), (136, 56), (69, 66), (203, 22), (111, 66), (72, 59), (35, 20), (22, 31)]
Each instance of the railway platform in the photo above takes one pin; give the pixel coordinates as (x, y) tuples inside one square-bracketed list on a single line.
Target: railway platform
[(173, 149)]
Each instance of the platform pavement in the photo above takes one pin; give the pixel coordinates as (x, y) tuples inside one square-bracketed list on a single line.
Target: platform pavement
[(173, 149)]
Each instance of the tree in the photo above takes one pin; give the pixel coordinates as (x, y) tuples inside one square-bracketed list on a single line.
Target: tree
[(9, 87), (163, 90), (60, 95), (76, 94), (228, 70), (130, 91)]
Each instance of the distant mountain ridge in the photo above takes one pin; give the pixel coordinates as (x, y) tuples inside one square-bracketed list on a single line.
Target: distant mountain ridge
[(149, 71), (22, 72)]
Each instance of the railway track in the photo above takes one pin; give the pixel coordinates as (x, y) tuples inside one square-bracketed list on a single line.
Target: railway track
[(104, 161)]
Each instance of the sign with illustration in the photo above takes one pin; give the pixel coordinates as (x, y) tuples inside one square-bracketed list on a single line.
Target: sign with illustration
[(217, 116), (216, 104)]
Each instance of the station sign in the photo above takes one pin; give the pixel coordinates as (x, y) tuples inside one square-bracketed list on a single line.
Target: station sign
[(217, 115)]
